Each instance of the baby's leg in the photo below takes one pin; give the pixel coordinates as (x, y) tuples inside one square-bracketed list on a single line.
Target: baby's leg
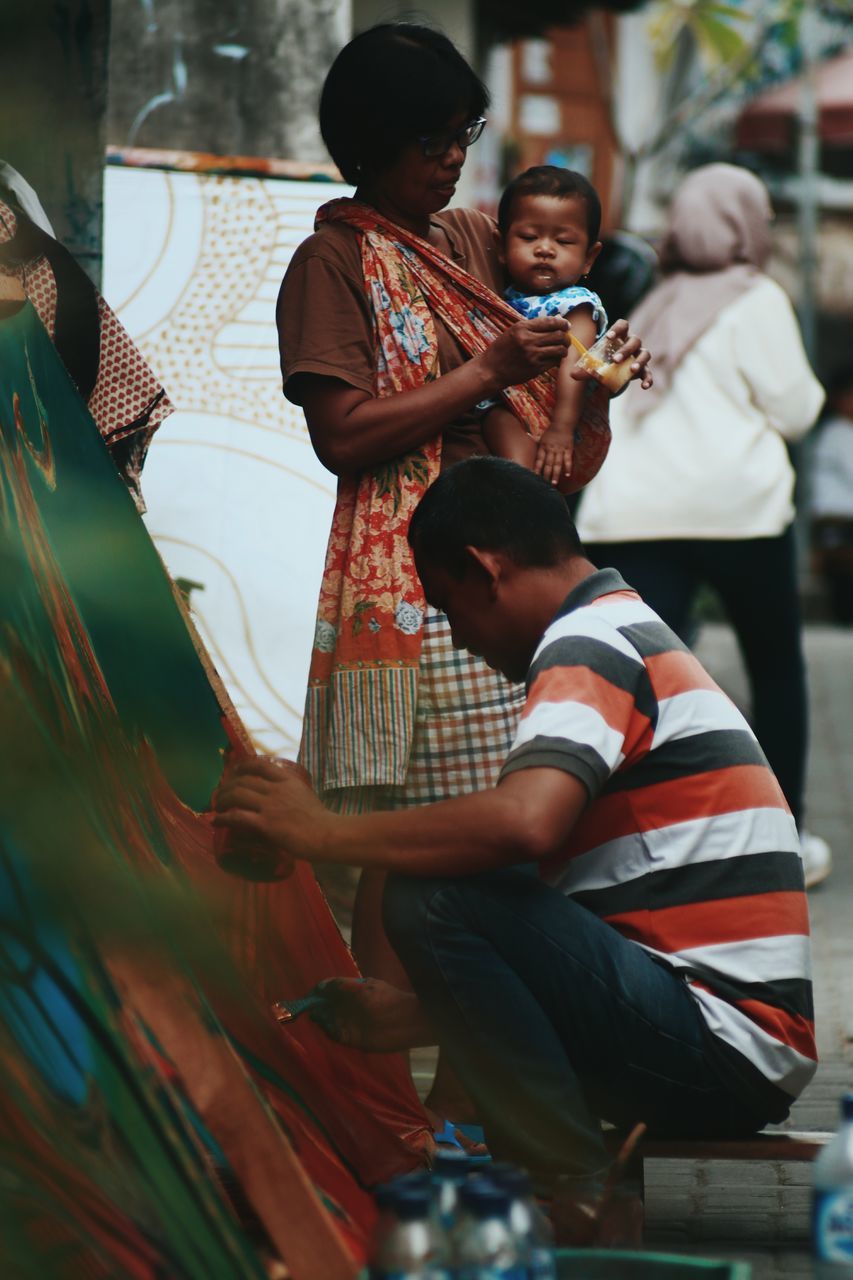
[(506, 437)]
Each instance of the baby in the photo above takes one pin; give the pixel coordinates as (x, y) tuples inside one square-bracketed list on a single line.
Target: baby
[(549, 220)]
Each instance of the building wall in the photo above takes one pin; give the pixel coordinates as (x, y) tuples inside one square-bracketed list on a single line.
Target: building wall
[(560, 113), (240, 77), (53, 78), (456, 19)]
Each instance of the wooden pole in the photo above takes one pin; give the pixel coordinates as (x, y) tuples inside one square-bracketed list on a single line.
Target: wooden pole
[(808, 157)]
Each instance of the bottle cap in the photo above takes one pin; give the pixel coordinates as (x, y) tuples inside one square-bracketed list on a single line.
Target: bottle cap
[(412, 1201), (483, 1198), (847, 1106), (385, 1196)]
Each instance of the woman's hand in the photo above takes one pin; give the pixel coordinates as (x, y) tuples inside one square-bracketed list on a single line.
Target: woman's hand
[(631, 349), (525, 349)]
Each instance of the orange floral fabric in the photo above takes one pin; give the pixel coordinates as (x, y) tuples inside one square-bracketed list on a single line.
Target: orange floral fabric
[(363, 676)]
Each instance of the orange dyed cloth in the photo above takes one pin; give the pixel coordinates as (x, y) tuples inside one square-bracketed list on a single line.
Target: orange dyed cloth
[(362, 694)]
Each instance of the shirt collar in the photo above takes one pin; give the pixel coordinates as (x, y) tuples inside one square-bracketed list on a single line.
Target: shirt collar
[(601, 583)]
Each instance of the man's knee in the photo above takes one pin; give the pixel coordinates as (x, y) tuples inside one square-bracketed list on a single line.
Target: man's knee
[(405, 903), (412, 903)]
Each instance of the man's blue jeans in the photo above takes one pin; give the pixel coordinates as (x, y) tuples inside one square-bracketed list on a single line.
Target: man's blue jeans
[(553, 1020)]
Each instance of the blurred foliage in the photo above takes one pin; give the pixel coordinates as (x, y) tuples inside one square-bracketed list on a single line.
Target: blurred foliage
[(714, 55), (719, 30), (759, 42)]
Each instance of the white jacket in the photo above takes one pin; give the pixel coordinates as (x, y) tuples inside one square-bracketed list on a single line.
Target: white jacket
[(710, 460)]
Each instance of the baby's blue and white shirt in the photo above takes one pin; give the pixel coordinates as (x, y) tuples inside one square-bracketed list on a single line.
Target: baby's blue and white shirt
[(559, 303)]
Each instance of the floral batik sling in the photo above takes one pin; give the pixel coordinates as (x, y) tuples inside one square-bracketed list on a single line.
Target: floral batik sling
[(363, 679)]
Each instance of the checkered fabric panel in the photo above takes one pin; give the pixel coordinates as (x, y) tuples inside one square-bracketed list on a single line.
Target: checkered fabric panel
[(465, 723)]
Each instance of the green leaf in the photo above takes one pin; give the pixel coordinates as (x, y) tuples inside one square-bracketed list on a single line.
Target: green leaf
[(718, 38), (728, 11)]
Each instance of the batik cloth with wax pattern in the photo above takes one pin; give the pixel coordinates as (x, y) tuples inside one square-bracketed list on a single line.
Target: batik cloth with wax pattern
[(363, 680)]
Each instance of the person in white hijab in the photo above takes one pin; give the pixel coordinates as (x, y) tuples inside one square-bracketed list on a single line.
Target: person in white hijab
[(698, 487)]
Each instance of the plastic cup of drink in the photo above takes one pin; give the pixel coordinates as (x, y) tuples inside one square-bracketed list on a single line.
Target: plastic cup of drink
[(598, 360)]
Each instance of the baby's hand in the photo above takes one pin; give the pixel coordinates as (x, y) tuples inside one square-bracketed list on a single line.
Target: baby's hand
[(554, 455)]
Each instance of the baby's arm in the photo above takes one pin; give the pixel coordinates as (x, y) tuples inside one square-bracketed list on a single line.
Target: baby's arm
[(554, 451), (506, 437)]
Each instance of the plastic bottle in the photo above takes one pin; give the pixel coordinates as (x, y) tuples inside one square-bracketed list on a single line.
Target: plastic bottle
[(483, 1246), (450, 1170), (530, 1227), (407, 1245), (832, 1202)]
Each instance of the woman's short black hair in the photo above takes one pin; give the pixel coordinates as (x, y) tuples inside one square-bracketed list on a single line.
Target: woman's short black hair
[(494, 505), (549, 180), (391, 84)]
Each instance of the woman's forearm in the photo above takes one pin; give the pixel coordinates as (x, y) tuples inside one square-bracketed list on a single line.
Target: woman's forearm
[(353, 431)]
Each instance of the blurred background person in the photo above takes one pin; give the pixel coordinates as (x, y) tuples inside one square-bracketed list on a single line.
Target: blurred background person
[(624, 271), (698, 488), (831, 499)]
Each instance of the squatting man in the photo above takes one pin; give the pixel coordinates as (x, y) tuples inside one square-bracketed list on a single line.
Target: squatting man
[(617, 930)]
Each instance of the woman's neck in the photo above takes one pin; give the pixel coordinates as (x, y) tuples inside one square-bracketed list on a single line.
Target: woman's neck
[(418, 224)]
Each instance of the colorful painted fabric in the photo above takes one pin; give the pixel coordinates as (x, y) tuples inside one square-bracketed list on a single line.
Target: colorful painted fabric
[(559, 303), (362, 691), (126, 955)]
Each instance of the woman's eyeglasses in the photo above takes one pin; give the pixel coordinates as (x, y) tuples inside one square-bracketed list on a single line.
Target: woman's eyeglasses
[(437, 144)]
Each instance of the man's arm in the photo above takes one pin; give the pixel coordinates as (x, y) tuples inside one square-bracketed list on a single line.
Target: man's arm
[(269, 807)]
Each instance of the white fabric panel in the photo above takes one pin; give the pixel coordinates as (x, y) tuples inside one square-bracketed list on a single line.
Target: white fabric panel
[(681, 844), (550, 719), (783, 1065), (237, 502), (711, 839), (755, 959), (608, 864), (623, 613), (584, 623), (696, 711)]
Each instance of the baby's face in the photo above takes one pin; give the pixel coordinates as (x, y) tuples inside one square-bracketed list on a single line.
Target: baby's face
[(546, 246)]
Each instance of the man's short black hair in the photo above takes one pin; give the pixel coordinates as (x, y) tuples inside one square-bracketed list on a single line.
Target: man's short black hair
[(549, 180), (494, 505), (392, 84)]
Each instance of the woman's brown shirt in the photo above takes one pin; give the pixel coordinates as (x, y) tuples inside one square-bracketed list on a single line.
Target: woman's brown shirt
[(324, 321)]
